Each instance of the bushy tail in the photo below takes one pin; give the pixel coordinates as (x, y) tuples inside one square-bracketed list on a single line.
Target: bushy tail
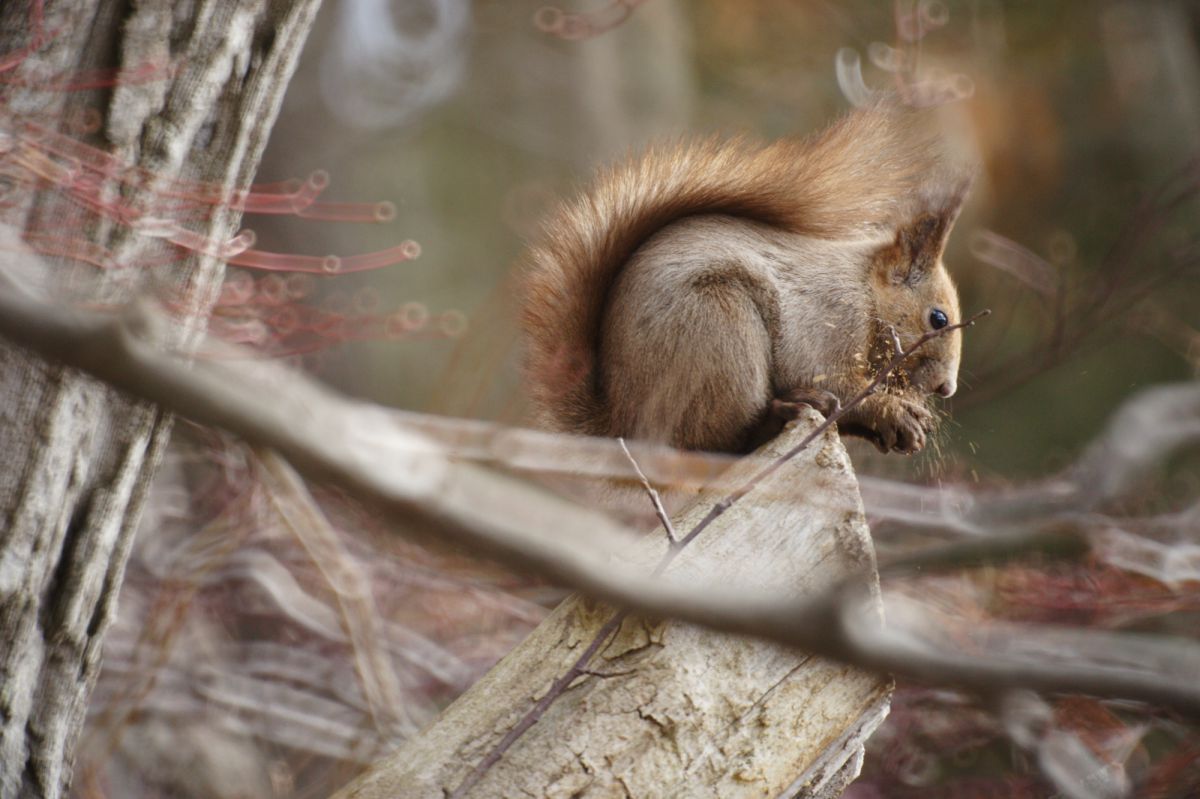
[(851, 178)]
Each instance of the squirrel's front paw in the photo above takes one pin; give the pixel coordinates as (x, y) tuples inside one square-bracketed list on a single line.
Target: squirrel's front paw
[(891, 423)]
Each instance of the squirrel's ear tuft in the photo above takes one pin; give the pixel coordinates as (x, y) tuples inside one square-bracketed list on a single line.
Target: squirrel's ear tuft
[(921, 239)]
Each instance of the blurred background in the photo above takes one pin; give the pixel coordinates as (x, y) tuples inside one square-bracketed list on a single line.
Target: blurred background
[(236, 661), (473, 119)]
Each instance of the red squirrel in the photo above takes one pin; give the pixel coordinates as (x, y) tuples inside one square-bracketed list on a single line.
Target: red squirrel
[(700, 293)]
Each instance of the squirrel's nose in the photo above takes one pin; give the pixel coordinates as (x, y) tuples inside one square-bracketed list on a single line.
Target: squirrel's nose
[(946, 389)]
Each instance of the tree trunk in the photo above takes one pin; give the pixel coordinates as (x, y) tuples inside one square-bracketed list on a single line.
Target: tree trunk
[(79, 455), (666, 708)]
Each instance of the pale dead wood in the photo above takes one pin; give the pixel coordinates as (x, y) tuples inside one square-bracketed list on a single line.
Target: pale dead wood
[(665, 708)]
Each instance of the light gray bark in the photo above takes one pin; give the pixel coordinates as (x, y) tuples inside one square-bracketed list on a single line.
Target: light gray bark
[(79, 455), (670, 709)]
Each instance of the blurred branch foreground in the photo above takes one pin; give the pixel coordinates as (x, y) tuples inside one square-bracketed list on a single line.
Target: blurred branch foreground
[(418, 470), (636, 707)]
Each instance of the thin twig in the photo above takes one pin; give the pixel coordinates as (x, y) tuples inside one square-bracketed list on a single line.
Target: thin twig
[(535, 713), (654, 497)]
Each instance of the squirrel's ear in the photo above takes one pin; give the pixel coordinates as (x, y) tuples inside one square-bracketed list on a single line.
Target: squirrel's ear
[(920, 240)]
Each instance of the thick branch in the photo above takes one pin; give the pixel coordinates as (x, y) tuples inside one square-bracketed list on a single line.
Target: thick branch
[(383, 462)]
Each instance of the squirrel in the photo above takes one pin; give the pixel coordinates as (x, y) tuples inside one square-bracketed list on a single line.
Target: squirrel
[(698, 295)]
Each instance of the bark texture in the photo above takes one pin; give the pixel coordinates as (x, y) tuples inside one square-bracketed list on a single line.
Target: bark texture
[(79, 455), (666, 708)]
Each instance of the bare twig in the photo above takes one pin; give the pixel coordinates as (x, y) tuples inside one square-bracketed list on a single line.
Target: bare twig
[(535, 713), (654, 497)]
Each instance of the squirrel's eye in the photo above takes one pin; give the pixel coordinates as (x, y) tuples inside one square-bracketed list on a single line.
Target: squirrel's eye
[(938, 319)]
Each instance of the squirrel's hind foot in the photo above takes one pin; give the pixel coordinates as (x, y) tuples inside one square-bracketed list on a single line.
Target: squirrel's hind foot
[(787, 407)]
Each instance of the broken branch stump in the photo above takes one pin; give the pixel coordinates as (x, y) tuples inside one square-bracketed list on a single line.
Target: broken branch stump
[(665, 708)]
